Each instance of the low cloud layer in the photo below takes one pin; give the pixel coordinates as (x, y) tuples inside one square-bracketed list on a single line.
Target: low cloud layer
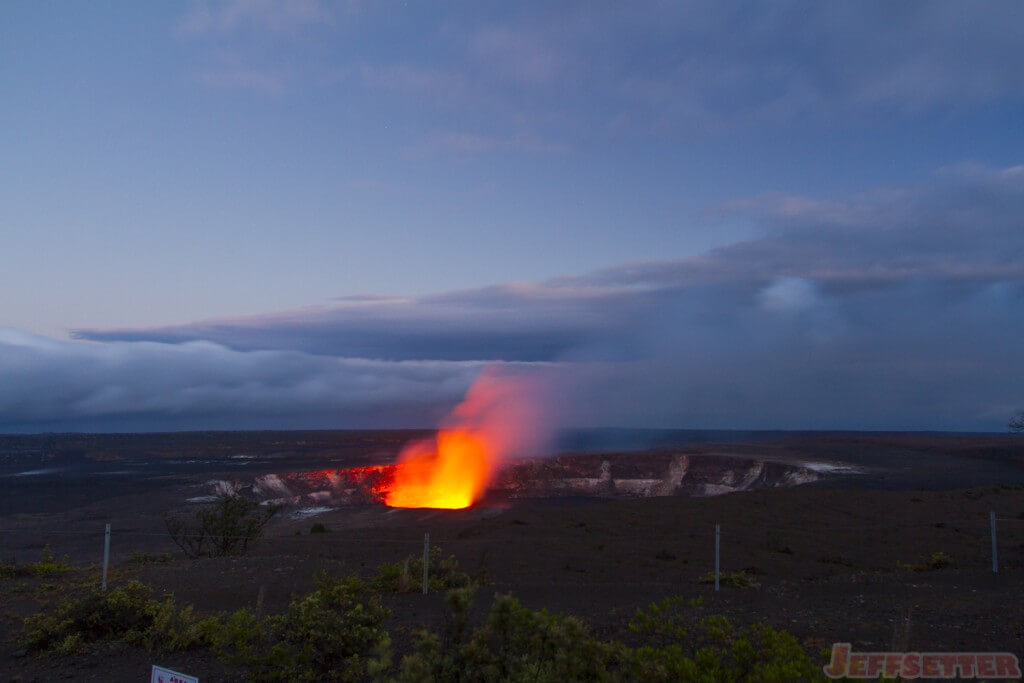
[(513, 323), (901, 308), (53, 385)]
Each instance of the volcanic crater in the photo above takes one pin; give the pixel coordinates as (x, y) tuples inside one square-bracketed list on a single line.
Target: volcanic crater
[(604, 475)]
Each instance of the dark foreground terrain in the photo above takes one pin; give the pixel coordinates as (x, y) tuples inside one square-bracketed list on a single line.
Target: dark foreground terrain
[(844, 558)]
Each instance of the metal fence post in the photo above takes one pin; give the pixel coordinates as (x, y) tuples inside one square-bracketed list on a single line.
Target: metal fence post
[(106, 556), (718, 544), (995, 549)]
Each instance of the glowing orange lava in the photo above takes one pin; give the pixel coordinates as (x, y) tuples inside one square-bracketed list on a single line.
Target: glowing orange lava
[(499, 418), (451, 476)]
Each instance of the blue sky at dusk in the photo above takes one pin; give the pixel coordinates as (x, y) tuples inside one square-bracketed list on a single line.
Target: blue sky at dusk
[(257, 214)]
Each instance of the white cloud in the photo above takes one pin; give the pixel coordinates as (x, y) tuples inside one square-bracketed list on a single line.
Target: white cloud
[(518, 54), (789, 294), (50, 384), (276, 16), (585, 69), (898, 308)]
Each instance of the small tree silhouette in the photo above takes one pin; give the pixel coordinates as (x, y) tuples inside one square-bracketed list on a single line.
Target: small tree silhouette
[(1016, 423), (226, 527)]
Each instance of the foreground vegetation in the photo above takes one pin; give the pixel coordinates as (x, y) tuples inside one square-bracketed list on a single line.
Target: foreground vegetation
[(47, 566), (338, 632)]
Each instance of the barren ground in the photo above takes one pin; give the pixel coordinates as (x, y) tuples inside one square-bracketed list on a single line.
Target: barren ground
[(827, 555)]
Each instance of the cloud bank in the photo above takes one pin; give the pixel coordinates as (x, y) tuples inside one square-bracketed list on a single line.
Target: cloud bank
[(647, 67), (53, 385), (899, 308)]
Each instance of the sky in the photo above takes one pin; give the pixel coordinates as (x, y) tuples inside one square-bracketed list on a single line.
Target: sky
[(311, 214)]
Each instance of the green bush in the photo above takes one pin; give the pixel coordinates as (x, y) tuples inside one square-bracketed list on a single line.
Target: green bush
[(936, 560), (737, 579), (46, 566), (712, 650), (318, 528), (939, 560), (236, 637), (127, 614), (518, 644), (336, 633), (139, 557), (49, 566), (513, 644), (407, 575)]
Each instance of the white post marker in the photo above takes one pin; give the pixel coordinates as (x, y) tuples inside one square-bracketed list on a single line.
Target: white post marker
[(718, 532), (106, 556), (162, 675), (426, 561), (995, 549)]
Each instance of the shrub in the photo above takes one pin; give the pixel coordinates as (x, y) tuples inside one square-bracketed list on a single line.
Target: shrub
[(936, 560), (513, 644), (127, 614), (46, 566), (336, 633), (737, 579), (139, 557), (236, 637), (318, 528), (226, 527), (712, 650), (49, 566), (407, 575), (518, 644)]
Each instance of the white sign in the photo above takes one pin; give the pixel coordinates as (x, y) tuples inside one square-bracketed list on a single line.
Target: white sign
[(162, 675)]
